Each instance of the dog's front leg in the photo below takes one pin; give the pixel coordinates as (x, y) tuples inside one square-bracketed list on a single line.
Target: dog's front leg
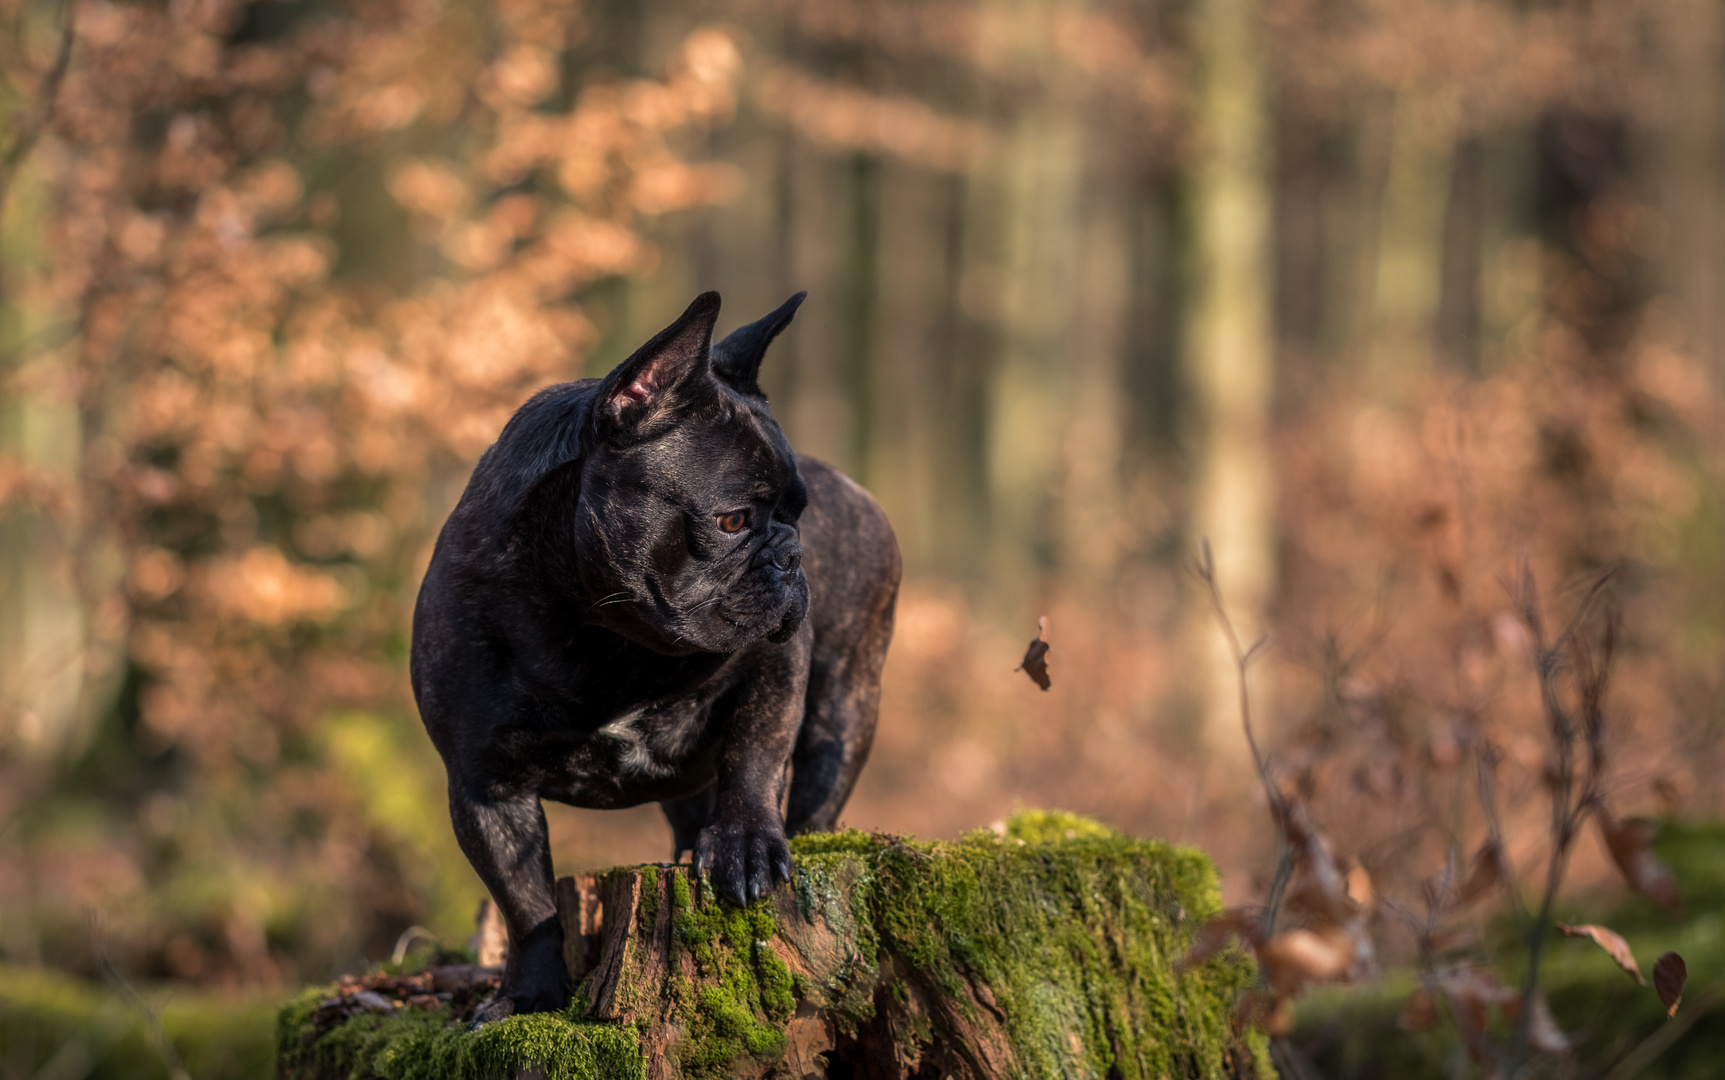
[(504, 837), (744, 848)]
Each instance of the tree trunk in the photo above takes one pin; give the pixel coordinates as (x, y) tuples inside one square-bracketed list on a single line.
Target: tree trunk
[(1230, 350)]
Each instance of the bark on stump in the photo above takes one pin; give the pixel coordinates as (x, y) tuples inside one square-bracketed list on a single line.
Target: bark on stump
[(1045, 950)]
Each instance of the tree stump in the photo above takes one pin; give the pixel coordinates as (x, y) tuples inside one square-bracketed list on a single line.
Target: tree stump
[(1046, 949)]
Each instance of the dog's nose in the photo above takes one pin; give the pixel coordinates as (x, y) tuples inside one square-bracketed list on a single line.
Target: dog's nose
[(788, 557)]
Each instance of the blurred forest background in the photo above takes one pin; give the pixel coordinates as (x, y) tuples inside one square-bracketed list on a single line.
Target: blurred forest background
[(1383, 297)]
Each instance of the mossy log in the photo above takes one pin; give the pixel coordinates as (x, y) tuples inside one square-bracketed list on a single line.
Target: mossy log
[(1045, 950)]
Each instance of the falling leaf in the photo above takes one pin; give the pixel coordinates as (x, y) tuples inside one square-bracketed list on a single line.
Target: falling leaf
[(1609, 940), (1484, 874), (1542, 1030), (1035, 662), (1669, 975), (1420, 1013), (1631, 847)]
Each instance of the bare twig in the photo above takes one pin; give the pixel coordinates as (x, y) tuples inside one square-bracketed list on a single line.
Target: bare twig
[(1280, 812), (1569, 805), (1242, 658)]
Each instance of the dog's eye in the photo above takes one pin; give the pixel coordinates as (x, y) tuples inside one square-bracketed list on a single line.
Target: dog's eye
[(735, 521)]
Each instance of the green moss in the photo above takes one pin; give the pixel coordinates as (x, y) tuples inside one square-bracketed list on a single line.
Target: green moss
[(416, 1044), (1053, 826), (1074, 929), (648, 911), (751, 999)]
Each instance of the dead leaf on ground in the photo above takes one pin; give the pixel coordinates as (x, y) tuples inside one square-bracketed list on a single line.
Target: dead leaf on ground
[(1670, 974), (1609, 940), (1035, 662), (1631, 846)]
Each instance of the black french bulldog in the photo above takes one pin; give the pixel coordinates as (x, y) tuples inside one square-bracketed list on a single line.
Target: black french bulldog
[(644, 595)]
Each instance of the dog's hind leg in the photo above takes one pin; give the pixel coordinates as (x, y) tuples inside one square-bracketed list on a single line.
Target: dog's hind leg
[(840, 711)]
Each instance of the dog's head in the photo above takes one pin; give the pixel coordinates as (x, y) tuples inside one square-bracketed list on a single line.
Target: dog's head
[(690, 495)]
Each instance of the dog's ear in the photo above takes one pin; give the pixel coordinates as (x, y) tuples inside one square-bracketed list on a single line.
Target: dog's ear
[(737, 359), (668, 371)]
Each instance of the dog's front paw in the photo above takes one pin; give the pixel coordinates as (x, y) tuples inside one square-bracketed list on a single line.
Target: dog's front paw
[(744, 860)]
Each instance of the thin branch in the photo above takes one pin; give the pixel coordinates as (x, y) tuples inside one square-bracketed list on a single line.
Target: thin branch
[(1242, 657), (1567, 809)]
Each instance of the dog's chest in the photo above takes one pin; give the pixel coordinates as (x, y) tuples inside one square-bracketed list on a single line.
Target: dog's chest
[(644, 753)]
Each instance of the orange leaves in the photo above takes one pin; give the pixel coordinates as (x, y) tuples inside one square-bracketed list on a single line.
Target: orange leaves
[(1609, 940), (264, 587), (1631, 846)]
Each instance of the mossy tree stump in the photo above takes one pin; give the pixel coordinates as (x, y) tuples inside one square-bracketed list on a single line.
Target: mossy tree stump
[(1046, 951)]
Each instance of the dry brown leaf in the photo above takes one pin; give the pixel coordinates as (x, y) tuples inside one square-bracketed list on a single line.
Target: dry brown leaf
[(1670, 974), (1420, 1013), (1360, 889), (1631, 846), (1294, 958), (1035, 662), (1609, 940), (1319, 889)]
